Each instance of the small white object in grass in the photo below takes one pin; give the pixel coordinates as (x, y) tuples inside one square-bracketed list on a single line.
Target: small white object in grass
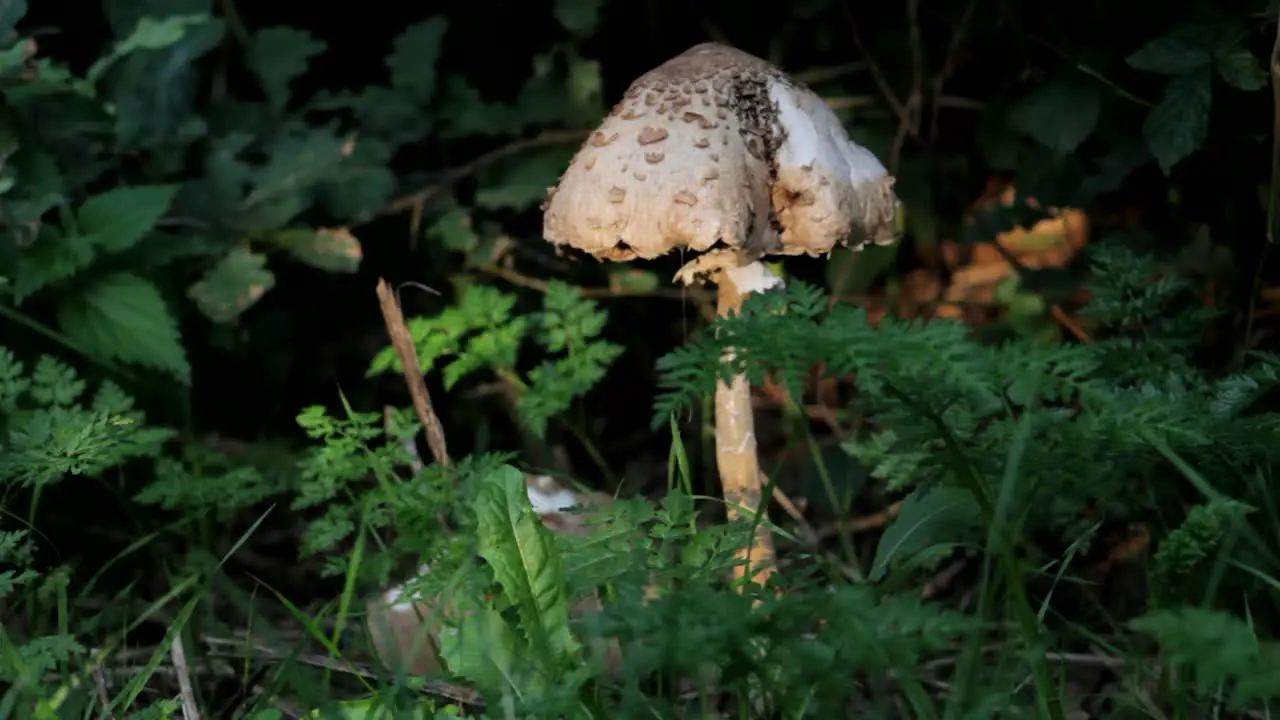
[(394, 594), (753, 277), (548, 496), (545, 495)]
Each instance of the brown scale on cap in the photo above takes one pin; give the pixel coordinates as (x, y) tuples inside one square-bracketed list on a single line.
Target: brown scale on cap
[(717, 146)]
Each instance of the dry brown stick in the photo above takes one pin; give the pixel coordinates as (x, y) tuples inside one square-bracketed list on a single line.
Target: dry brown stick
[(190, 711), (393, 316)]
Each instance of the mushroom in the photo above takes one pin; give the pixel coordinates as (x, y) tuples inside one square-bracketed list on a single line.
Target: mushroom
[(719, 152)]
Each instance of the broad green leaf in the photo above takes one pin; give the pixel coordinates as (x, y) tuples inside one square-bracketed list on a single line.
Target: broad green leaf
[(117, 219), (149, 34), (232, 286), (466, 113), (332, 249), (927, 519), (523, 181), (155, 94), (123, 317), (280, 55), (525, 563), (579, 17), (414, 55), (454, 230), (1173, 54), (1177, 126), (51, 258), (11, 12), (124, 15), (1061, 113), (284, 187), (485, 650), (1241, 69)]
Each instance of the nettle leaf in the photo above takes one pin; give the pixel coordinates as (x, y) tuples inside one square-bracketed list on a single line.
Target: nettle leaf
[(414, 55), (53, 257), (117, 219), (1061, 113), (1241, 70), (280, 55), (232, 286), (1177, 126), (523, 180), (525, 562), (578, 16), (123, 317), (1173, 54)]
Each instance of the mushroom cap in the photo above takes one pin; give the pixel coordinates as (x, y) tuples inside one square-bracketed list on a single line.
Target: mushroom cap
[(719, 146)]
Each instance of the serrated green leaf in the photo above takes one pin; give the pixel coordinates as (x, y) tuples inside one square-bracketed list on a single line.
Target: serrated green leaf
[(1177, 126), (525, 562), (232, 286), (285, 186), (484, 650), (123, 317), (454, 230), (117, 219), (926, 519), (414, 55), (579, 17), (466, 113), (280, 55), (1173, 54), (1241, 70), (1061, 113), (154, 94), (523, 181), (53, 257)]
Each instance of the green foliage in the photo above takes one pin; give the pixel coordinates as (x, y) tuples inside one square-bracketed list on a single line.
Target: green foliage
[(52, 430), (149, 189), (482, 333), (34, 656)]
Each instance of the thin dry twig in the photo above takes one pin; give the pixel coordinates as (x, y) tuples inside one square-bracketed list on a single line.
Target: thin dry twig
[(393, 317), (178, 654), (100, 684), (865, 523), (949, 64), (415, 201), (909, 122)]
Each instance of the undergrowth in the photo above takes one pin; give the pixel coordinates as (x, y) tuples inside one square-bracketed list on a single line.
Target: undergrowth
[(1016, 454)]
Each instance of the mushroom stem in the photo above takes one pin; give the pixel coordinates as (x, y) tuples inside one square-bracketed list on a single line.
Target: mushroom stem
[(741, 479)]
